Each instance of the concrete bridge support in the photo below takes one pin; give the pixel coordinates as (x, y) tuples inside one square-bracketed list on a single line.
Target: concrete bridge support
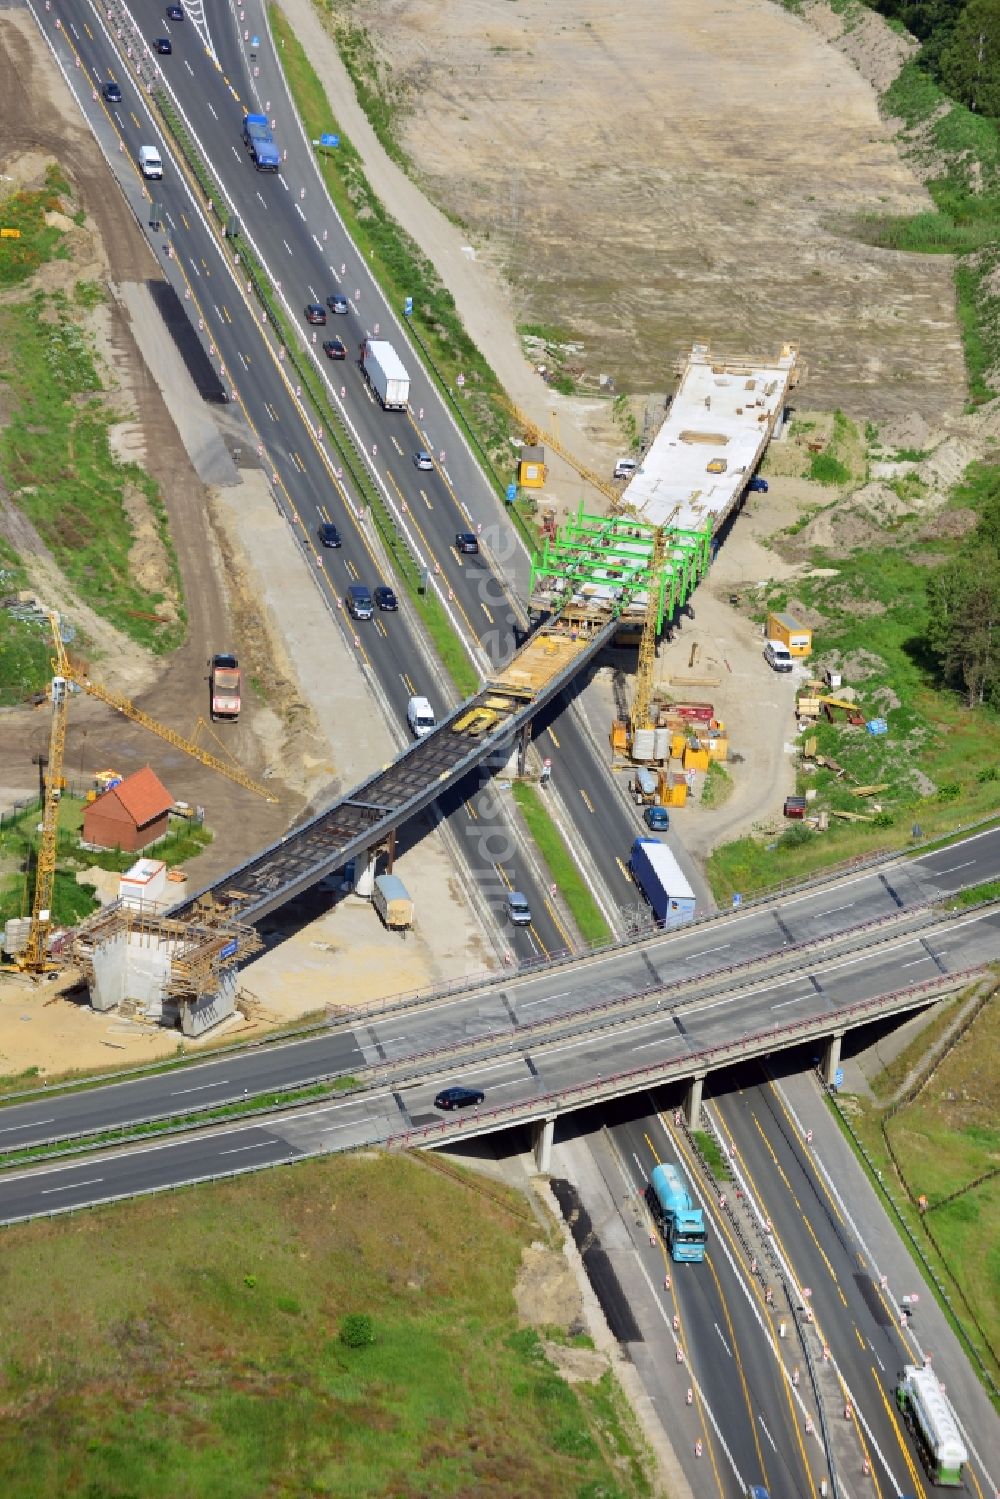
[(831, 1058), (199, 1015), (542, 1134), (364, 873), (692, 1106)]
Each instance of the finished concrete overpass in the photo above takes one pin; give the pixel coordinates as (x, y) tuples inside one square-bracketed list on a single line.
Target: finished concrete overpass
[(807, 967)]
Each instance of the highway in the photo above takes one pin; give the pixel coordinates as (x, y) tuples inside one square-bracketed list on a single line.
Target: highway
[(824, 1246), (302, 242), (645, 1010)]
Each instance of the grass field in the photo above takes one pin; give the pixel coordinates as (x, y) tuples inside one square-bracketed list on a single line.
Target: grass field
[(947, 1142), (189, 1346)]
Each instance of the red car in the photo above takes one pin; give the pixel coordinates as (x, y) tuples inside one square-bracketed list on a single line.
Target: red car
[(315, 313), (335, 348)]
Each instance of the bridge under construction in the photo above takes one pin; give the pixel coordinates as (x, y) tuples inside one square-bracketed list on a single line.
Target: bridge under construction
[(600, 573)]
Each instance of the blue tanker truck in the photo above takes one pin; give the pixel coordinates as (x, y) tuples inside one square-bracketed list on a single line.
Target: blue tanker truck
[(679, 1221)]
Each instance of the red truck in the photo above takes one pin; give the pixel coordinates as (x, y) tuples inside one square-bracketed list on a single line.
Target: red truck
[(226, 680)]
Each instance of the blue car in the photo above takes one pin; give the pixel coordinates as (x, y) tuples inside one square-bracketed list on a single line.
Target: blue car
[(757, 486), (657, 819)]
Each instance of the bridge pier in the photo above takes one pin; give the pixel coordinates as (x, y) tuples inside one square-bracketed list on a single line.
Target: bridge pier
[(542, 1134), (692, 1105), (523, 745), (364, 873), (831, 1058)]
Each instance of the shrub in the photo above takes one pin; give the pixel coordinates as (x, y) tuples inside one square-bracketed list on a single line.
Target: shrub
[(357, 1330)]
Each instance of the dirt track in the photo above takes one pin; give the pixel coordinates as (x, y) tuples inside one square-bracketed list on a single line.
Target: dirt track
[(36, 117)]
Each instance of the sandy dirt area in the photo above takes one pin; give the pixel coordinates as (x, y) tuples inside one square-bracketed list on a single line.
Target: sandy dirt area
[(643, 178)]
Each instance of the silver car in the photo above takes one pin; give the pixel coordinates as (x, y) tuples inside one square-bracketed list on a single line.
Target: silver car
[(518, 909)]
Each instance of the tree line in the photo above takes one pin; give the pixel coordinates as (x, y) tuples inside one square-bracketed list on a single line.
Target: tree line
[(960, 46), (963, 596)]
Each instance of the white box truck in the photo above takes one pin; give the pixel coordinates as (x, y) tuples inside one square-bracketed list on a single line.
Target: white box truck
[(385, 373)]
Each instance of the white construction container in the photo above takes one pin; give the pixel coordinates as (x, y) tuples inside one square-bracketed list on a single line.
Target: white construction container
[(391, 900)]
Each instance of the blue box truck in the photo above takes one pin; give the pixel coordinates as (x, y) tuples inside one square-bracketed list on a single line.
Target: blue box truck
[(259, 142)]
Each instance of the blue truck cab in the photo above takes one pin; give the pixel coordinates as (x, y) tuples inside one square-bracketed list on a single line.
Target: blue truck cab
[(259, 142)]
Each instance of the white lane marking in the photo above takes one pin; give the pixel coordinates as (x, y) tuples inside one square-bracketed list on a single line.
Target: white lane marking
[(91, 1181), (723, 1341), (214, 115), (526, 1004), (259, 1145), (287, 246), (925, 959), (639, 1164), (796, 1001), (262, 203), (31, 1124), (298, 210), (189, 67), (871, 1345), (952, 867), (704, 952), (179, 1093), (832, 909), (764, 1429)]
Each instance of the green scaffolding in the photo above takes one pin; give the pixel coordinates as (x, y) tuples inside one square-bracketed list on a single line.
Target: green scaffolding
[(593, 552)]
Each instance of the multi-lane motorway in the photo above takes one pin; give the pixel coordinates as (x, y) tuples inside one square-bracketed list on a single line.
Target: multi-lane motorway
[(288, 218), (657, 1006)]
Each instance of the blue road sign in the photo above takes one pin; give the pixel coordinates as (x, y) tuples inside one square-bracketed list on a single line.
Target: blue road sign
[(255, 42), (407, 306), (511, 493), (838, 1078), (737, 899), (329, 140)]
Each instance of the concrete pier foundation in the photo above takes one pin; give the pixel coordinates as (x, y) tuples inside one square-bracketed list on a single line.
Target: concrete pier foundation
[(199, 1015), (543, 1133)]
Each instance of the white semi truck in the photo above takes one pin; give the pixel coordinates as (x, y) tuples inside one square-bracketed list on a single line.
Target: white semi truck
[(385, 373)]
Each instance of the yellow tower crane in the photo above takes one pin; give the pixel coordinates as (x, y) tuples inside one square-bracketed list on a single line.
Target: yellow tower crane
[(34, 958), (533, 432)]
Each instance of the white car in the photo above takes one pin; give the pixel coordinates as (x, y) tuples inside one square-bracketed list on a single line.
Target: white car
[(518, 909), (423, 460), (625, 468)]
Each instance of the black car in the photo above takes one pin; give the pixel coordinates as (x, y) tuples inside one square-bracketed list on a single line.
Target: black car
[(337, 303), (329, 536), (315, 313), (164, 46), (175, 12), (458, 1098), (467, 541), (113, 92), (385, 599), (335, 348)]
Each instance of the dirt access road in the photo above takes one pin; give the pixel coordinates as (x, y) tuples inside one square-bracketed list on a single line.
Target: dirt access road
[(39, 122), (643, 177)]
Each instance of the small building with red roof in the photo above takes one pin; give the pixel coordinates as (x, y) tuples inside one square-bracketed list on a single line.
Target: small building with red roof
[(130, 815)]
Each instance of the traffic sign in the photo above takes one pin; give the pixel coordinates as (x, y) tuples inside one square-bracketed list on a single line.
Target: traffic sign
[(511, 493), (255, 42), (838, 1078), (327, 139), (407, 306), (737, 899)]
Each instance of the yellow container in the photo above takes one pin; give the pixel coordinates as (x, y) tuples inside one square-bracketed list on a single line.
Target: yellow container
[(786, 628), (718, 748), (695, 757), (673, 791), (677, 744)]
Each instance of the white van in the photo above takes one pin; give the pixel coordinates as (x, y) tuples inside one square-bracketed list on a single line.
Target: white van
[(420, 717), (150, 164)]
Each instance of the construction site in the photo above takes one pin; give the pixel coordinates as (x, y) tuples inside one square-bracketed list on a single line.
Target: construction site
[(632, 571)]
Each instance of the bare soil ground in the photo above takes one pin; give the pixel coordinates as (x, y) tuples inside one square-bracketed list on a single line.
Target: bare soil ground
[(643, 181)]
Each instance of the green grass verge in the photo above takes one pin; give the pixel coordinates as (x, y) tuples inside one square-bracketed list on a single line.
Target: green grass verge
[(709, 1147), (584, 909), (55, 453), (945, 1142), (243, 1384), (25, 647), (718, 785)]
